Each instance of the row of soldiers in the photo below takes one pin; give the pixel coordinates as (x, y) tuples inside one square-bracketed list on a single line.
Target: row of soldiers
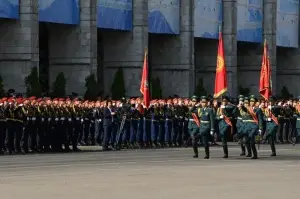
[(252, 118), (44, 124)]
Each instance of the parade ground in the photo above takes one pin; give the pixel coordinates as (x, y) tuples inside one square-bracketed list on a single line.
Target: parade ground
[(152, 174)]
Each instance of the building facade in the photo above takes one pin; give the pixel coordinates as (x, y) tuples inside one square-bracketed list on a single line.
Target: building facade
[(83, 37)]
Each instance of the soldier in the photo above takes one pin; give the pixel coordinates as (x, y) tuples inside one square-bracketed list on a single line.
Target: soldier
[(2, 125), (240, 126), (207, 123), (161, 123), (271, 114), (253, 124), (193, 125), (224, 114), (125, 110), (10, 114), (19, 114), (297, 125), (169, 116)]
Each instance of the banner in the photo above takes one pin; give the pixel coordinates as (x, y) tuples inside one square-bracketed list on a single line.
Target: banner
[(208, 18), (9, 9), (250, 20), (164, 16), (59, 11), (287, 23), (115, 14)]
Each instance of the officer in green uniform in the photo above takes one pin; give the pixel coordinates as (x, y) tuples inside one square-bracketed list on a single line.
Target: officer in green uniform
[(224, 115), (253, 124), (240, 126), (193, 127), (271, 114), (207, 123)]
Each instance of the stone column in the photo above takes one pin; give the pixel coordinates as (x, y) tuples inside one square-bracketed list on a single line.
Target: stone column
[(126, 50), (172, 56), (269, 26), (230, 44), (19, 47), (73, 49)]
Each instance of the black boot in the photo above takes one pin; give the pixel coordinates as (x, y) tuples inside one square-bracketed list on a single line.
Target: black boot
[(254, 151), (225, 150), (195, 152), (243, 150), (206, 153)]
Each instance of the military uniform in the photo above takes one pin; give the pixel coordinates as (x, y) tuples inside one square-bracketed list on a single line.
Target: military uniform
[(2, 125), (207, 124), (224, 115), (271, 115), (240, 125), (253, 124)]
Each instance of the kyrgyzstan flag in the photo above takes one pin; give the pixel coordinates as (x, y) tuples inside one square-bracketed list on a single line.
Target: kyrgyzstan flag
[(145, 83), (221, 76), (265, 75)]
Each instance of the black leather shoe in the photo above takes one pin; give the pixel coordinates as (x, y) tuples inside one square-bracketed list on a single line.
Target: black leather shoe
[(195, 156)]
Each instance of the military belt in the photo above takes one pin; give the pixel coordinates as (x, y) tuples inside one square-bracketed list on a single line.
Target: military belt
[(204, 122), (249, 121), (298, 118), (239, 118), (191, 120)]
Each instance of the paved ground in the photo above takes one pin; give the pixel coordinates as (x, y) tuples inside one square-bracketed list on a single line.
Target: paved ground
[(151, 174)]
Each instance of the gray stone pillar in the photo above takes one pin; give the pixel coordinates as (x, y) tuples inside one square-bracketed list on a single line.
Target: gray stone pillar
[(172, 56), (126, 50), (230, 44), (19, 47), (269, 25), (73, 49)]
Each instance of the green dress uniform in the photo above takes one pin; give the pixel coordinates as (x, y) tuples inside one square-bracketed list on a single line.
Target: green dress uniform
[(207, 124), (193, 128), (225, 114), (253, 124), (271, 114), (240, 125)]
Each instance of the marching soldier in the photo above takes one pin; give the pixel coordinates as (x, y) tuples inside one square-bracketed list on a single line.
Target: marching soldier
[(224, 114), (271, 114), (240, 126), (253, 124), (207, 123), (193, 125)]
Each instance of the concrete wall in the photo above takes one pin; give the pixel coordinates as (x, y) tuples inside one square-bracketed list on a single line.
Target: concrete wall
[(73, 49), (177, 60), (172, 56), (19, 46), (126, 50)]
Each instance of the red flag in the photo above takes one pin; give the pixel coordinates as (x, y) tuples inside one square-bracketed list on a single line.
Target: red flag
[(265, 75), (145, 83), (221, 76)]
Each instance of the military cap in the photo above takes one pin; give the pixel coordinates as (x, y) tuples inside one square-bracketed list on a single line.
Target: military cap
[(246, 99), (204, 98), (298, 98), (32, 98), (252, 98), (194, 98)]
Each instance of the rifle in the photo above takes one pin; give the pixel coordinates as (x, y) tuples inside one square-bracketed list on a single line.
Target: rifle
[(120, 131)]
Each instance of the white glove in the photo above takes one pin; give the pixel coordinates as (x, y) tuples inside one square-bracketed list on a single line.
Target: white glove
[(269, 107), (259, 132), (212, 132), (221, 116), (222, 106)]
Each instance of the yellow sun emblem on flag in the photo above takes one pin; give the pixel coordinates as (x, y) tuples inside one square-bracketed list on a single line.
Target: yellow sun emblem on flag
[(220, 63)]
